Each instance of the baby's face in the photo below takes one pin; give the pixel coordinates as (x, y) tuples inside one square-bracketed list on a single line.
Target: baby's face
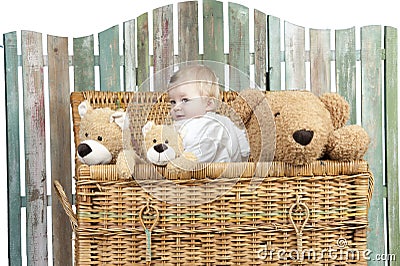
[(186, 102)]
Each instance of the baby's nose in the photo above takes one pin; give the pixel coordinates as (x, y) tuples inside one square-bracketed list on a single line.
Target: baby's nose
[(177, 107)]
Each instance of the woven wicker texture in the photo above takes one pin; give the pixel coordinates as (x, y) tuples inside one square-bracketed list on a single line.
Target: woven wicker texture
[(296, 215)]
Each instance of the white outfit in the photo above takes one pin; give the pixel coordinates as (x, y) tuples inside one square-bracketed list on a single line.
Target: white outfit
[(214, 138)]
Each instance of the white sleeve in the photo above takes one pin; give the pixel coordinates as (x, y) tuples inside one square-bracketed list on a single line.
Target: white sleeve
[(243, 142), (203, 139)]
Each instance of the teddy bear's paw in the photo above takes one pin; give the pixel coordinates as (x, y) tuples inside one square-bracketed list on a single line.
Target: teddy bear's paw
[(348, 143), (176, 172), (191, 158), (180, 167), (125, 163)]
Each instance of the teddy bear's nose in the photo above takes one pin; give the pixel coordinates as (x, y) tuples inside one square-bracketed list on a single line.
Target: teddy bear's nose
[(160, 147), (84, 149), (303, 137)]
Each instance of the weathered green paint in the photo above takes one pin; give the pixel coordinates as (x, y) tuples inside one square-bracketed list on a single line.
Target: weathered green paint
[(83, 62), (129, 56), (320, 61), (109, 59), (371, 114), (163, 46), (213, 36), (345, 57), (143, 71), (295, 71), (239, 51), (260, 49), (274, 53), (60, 145), (391, 129), (35, 148), (188, 31), (13, 149)]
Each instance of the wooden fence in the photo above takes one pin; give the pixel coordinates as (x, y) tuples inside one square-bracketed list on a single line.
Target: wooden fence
[(367, 77)]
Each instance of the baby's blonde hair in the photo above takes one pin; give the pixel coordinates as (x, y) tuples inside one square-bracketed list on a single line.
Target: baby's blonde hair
[(205, 79)]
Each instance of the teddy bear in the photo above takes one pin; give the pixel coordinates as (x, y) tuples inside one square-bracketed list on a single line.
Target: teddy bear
[(100, 134), (306, 127), (162, 147)]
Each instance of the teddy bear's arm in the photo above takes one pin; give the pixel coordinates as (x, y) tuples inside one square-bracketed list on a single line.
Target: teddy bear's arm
[(126, 162), (348, 143), (186, 162)]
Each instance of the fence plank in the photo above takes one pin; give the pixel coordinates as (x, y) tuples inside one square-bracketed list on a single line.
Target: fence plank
[(13, 148), (295, 72), (188, 31), (35, 148), (274, 53), (143, 58), (320, 61), (371, 82), (109, 63), (60, 143), (83, 49), (345, 57), (163, 45), (260, 49), (129, 56), (239, 53), (391, 129), (213, 36)]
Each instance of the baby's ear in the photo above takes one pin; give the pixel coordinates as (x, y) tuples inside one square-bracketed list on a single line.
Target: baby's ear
[(147, 127), (212, 104)]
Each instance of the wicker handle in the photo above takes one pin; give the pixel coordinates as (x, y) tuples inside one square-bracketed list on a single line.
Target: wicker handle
[(66, 204), (371, 184)]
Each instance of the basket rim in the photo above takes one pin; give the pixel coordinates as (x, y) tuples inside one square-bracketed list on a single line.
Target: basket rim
[(248, 169)]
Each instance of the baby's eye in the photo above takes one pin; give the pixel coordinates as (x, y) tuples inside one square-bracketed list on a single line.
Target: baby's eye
[(185, 100), (172, 102)]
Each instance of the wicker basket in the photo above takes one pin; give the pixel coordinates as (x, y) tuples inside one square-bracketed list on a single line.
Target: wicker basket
[(312, 214)]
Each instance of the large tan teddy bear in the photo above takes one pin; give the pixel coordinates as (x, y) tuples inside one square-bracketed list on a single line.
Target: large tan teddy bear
[(307, 127)]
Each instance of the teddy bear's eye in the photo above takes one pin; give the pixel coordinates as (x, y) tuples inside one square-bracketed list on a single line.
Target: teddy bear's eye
[(154, 140), (99, 138), (86, 134), (166, 141), (277, 114)]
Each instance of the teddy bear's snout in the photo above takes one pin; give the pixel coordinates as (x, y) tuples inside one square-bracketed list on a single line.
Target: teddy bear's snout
[(84, 149), (160, 147), (303, 136)]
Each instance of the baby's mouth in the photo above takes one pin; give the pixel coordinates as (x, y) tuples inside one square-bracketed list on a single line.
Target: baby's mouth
[(180, 117)]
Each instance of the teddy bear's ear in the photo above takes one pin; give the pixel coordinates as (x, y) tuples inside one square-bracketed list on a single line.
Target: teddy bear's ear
[(83, 108), (118, 118), (338, 107), (147, 127)]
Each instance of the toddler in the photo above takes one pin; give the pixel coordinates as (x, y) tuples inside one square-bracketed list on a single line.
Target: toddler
[(194, 96)]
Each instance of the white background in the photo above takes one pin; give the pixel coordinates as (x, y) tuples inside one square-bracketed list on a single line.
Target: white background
[(75, 18)]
